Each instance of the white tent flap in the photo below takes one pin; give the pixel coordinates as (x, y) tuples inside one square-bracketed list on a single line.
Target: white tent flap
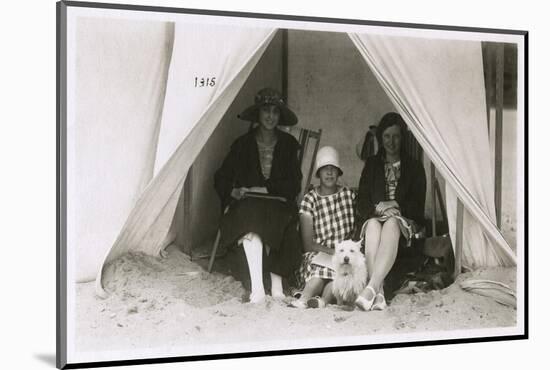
[(438, 88), (121, 67), (206, 58), (232, 53)]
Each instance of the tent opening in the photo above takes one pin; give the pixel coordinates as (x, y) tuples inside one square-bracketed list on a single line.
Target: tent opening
[(340, 83), (296, 59)]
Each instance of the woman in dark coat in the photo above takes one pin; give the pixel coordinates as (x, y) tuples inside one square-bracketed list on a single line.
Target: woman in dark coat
[(258, 183), (391, 197)]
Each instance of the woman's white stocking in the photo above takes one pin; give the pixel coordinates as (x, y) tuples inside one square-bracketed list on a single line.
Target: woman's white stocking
[(253, 250), (277, 286)]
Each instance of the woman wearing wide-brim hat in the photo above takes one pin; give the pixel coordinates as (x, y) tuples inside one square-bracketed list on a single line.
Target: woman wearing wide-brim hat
[(258, 183)]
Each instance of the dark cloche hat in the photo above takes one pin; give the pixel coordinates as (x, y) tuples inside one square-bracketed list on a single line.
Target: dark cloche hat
[(269, 96)]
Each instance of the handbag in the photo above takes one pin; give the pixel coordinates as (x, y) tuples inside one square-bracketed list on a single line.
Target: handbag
[(440, 249), (436, 271), (438, 268)]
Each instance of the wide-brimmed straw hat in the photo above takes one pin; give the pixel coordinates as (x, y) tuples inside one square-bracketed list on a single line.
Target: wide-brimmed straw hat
[(269, 96), (327, 155)]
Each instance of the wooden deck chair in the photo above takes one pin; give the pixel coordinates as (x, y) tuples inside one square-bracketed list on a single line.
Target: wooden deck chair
[(308, 152), (309, 141)]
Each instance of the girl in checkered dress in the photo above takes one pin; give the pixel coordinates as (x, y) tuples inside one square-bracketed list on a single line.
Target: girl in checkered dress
[(326, 218)]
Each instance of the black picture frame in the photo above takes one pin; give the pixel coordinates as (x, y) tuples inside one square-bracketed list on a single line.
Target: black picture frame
[(62, 255)]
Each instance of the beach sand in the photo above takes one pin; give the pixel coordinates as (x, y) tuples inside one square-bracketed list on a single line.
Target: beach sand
[(173, 302)]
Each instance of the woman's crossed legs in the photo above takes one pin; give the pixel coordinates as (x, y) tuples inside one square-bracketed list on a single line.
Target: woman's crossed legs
[(382, 240)]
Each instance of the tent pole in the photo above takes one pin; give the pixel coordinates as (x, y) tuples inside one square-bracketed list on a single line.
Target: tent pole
[(214, 251), (187, 197), (459, 236), (315, 150), (441, 203), (432, 183), (285, 66), (489, 83), (498, 130)]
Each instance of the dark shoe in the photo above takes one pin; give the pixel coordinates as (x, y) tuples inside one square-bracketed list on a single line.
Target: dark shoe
[(295, 293), (316, 302)]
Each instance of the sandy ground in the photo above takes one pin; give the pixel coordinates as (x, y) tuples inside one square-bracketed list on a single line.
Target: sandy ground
[(174, 302)]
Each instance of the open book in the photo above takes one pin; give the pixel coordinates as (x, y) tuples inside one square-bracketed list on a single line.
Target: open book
[(323, 259), (253, 194)]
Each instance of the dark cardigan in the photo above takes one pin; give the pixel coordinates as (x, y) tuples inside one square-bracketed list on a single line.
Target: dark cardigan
[(410, 193), (241, 168)]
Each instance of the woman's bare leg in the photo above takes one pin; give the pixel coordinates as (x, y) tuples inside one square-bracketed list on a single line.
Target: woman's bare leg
[(381, 263), (386, 254), (328, 296), (313, 287), (372, 242)]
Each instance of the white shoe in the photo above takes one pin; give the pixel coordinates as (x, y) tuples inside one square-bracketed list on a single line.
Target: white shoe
[(298, 303), (278, 296), (379, 303), (364, 303), (256, 298)]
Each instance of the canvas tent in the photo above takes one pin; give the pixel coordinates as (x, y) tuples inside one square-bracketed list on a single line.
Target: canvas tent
[(126, 173)]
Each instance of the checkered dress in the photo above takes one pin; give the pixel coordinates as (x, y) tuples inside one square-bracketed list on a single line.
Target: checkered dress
[(333, 221)]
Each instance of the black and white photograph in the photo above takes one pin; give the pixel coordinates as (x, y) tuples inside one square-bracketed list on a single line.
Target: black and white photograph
[(240, 184)]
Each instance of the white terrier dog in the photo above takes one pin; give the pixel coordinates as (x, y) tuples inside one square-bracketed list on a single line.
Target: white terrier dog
[(351, 272)]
